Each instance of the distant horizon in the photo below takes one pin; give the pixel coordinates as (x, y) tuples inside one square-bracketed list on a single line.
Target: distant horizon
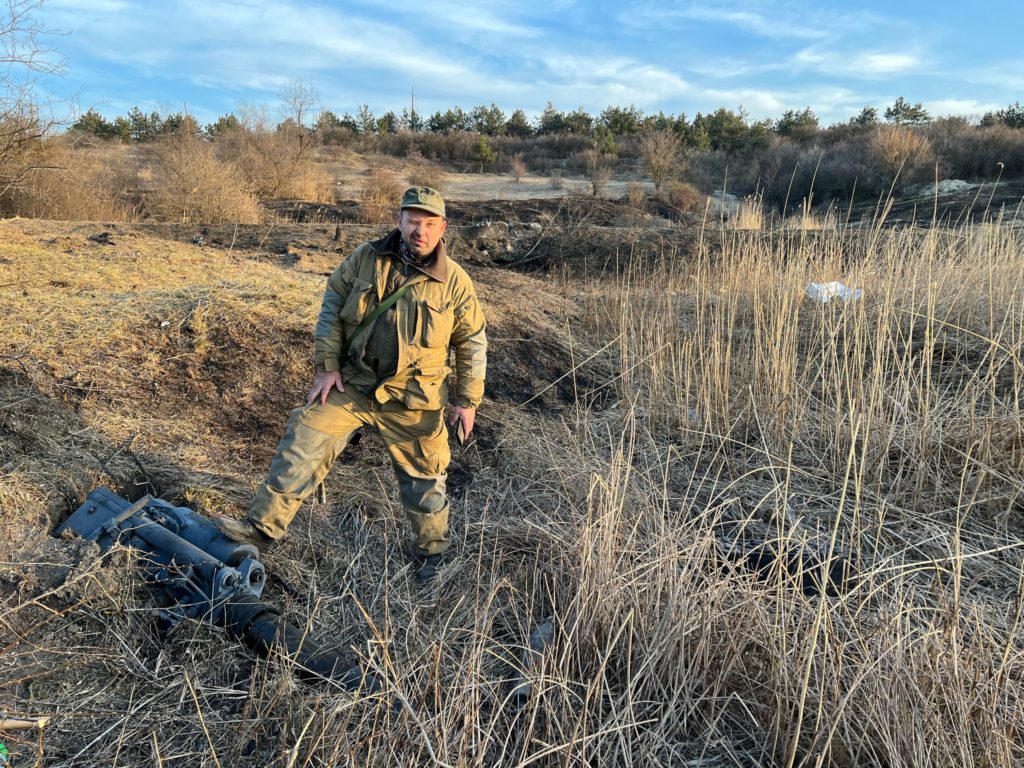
[(679, 58)]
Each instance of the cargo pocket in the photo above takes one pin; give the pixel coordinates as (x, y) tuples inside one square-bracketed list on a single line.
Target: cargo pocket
[(358, 303), (427, 389), (434, 452), (435, 324)]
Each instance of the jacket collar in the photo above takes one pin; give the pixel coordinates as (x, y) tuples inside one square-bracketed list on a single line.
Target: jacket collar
[(438, 267)]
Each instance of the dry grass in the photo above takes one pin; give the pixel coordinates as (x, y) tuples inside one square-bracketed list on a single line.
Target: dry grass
[(889, 430), (637, 195), (809, 220), (886, 431), (750, 215), (423, 173)]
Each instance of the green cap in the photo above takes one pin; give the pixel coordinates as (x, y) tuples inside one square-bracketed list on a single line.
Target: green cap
[(427, 198)]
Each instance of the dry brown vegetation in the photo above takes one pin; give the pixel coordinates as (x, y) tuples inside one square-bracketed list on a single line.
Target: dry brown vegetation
[(646, 431), (663, 157), (897, 150), (191, 184), (57, 180), (276, 163), (377, 199)]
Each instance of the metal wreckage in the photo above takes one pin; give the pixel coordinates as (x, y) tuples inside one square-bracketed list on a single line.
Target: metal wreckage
[(209, 577)]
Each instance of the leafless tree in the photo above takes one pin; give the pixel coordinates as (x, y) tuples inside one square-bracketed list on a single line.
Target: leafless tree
[(663, 156), (299, 98), (25, 57)]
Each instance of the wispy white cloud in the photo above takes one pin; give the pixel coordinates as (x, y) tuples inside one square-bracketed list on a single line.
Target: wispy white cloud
[(830, 104), (599, 82), (963, 107), (730, 68), (1007, 75), (91, 6), (493, 19), (748, 20), (856, 64), (763, 18)]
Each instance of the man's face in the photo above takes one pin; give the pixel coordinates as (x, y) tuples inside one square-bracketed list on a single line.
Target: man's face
[(421, 230)]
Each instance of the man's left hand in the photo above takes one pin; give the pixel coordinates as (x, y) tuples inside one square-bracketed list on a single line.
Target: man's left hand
[(465, 415)]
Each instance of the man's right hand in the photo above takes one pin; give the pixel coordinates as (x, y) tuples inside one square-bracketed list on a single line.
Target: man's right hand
[(322, 386)]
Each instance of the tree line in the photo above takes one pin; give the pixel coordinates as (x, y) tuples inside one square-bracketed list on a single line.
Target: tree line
[(722, 129)]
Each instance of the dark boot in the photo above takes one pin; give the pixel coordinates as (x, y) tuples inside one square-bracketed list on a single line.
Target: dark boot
[(428, 567), (244, 532)]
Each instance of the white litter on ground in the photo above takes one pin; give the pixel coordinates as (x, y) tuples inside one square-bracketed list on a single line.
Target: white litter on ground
[(826, 292)]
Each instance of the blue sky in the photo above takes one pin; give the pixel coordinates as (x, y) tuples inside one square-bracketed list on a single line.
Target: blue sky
[(766, 56)]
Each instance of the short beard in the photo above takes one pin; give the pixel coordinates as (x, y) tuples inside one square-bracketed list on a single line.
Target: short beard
[(410, 254)]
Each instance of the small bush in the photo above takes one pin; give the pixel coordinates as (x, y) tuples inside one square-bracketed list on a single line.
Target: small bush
[(379, 197), (192, 185), (517, 167), (972, 153), (663, 156), (900, 154), (277, 164), (598, 168), (423, 173), (684, 197), (483, 155), (637, 195)]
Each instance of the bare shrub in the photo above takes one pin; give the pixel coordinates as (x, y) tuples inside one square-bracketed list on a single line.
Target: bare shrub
[(191, 184), (379, 197), (662, 155), (684, 197), (517, 168), (966, 152), (637, 195), (598, 169), (900, 153), (62, 182), (423, 173), (276, 164)]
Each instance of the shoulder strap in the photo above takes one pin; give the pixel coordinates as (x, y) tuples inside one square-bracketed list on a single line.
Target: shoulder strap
[(379, 310)]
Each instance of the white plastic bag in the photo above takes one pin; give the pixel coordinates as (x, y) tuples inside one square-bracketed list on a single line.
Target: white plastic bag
[(825, 292)]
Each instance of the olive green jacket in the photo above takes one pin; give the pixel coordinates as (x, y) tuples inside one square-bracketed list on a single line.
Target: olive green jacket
[(439, 311)]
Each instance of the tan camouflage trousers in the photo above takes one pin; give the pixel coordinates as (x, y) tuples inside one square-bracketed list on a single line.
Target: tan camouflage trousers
[(417, 442)]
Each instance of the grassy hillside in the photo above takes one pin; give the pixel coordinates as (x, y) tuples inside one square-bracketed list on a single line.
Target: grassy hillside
[(767, 531)]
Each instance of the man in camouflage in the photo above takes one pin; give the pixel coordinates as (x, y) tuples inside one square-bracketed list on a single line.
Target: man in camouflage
[(389, 373)]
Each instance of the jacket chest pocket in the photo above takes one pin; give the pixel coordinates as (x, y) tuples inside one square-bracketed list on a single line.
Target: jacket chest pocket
[(360, 299), (436, 320)]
